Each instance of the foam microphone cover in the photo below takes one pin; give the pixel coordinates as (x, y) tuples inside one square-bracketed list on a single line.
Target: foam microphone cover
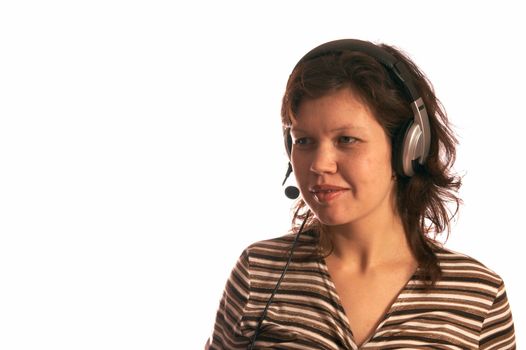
[(292, 192)]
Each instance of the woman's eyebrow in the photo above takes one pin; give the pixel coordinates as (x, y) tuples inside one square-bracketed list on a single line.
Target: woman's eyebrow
[(346, 127), (340, 128)]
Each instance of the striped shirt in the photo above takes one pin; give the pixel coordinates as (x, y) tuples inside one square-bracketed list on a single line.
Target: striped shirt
[(466, 309)]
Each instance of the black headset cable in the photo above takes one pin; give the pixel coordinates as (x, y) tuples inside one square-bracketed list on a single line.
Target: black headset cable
[(264, 314)]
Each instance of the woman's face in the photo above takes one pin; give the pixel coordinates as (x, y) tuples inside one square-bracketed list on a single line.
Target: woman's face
[(341, 157)]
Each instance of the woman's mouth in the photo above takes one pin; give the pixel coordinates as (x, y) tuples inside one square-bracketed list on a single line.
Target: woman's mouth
[(326, 193)]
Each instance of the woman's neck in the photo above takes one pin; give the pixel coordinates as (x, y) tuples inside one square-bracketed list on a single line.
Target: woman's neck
[(364, 246)]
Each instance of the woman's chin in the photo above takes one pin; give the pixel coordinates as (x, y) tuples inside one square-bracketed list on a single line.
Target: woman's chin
[(332, 219)]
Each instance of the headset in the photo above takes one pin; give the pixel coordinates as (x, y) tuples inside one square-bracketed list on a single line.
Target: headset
[(411, 146)]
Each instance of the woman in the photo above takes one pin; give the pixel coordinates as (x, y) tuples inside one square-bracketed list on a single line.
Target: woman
[(371, 149)]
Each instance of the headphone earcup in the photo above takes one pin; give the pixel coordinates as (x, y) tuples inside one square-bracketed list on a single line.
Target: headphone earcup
[(402, 149)]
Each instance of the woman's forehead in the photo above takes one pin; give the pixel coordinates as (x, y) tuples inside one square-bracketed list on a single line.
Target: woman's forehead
[(335, 111)]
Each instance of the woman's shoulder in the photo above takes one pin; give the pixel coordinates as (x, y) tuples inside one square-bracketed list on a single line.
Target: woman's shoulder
[(280, 246), (463, 268)]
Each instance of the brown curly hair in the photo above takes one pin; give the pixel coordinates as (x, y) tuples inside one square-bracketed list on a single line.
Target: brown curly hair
[(423, 200)]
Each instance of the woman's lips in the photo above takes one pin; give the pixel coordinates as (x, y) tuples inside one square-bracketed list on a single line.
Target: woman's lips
[(327, 193)]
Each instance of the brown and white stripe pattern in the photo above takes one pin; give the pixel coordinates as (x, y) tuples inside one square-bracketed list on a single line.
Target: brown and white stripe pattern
[(466, 309)]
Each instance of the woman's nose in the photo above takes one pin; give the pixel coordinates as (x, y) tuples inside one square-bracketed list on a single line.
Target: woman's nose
[(324, 160)]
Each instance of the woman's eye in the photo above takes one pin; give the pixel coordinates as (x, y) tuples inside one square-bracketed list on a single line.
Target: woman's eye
[(346, 139), (301, 141)]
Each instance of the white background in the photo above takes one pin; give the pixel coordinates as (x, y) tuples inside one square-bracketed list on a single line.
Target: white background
[(141, 151)]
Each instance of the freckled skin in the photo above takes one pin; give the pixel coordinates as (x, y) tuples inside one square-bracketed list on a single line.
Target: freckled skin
[(363, 166)]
